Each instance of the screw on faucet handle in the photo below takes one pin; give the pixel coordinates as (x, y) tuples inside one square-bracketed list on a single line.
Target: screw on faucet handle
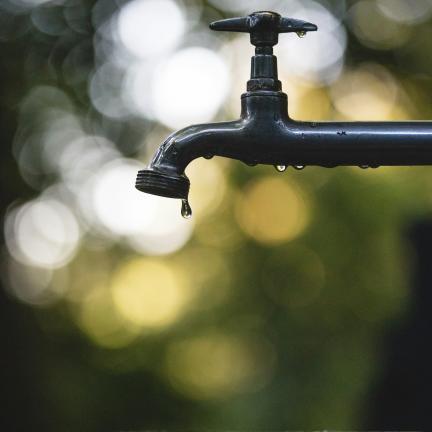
[(264, 27)]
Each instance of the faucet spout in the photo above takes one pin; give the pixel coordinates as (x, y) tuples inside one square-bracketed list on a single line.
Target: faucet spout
[(166, 174), (263, 118), (265, 134)]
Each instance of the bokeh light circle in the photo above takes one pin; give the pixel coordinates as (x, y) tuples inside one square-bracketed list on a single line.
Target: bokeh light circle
[(245, 6), (190, 87), (36, 286), (149, 27), (106, 92), (149, 223), (367, 93), (148, 293), (375, 29), (406, 11), (42, 233), (101, 321), (33, 3), (318, 57), (208, 186), (272, 211), (215, 365)]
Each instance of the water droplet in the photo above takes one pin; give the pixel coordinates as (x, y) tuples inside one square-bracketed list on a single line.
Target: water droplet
[(280, 168), (301, 34), (251, 164), (299, 167), (208, 156), (364, 166), (186, 210)]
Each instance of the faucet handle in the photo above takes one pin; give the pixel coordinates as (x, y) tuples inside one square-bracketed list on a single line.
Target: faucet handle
[(264, 27)]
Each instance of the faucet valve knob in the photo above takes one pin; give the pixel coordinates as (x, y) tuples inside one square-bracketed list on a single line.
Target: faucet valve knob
[(264, 27)]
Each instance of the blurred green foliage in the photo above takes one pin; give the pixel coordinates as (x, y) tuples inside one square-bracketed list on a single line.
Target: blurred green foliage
[(275, 329)]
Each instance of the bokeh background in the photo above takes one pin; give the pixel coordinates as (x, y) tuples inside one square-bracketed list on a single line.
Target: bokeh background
[(294, 300)]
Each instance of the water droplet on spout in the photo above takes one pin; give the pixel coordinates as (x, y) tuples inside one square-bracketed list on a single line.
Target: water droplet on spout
[(301, 34), (186, 210), (364, 166), (208, 156), (280, 168), (299, 167)]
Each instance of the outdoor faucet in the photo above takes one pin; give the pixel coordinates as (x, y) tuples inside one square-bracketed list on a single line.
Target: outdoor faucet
[(265, 134)]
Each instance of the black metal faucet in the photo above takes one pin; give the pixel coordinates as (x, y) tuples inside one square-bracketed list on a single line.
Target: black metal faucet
[(265, 134)]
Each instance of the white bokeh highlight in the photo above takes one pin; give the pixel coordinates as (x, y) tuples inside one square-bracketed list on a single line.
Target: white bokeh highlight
[(42, 233), (190, 87), (150, 27), (150, 224), (81, 157), (33, 3), (319, 57), (137, 89), (106, 92), (246, 6), (406, 11)]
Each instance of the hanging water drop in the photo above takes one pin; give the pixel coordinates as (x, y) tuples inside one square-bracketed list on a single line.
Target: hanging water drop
[(299, 167), (280, 168), (186, 210), (301, 34), (208, 156), (364, 166)]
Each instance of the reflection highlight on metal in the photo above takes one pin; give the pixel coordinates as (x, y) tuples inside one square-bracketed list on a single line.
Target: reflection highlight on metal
[(265, 134)]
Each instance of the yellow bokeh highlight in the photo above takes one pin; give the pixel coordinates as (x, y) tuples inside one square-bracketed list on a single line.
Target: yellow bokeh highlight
[(100, 321), (369, 92), (272, 210), (218, 231), (307, 102), (217, 366), (149, 293), (208, 186)]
